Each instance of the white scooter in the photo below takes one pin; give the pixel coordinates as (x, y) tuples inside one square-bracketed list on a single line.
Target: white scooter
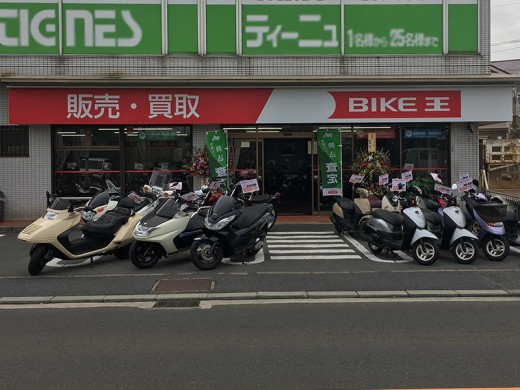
[(455, 236), (169, 229)]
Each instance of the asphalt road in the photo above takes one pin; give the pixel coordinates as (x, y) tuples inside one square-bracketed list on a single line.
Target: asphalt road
[(368, 345), (304, 257)]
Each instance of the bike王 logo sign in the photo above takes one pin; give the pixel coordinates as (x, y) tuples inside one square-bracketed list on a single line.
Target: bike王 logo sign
[(397, 104)]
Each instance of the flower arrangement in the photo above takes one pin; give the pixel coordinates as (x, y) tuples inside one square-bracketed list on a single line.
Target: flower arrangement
[(199, 164), (371, 165)]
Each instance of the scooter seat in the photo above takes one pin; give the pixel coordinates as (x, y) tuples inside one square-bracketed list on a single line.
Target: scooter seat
[(388, 216), (265, 198), (108, 224), (432, 217), (375, 202), (250, 215)]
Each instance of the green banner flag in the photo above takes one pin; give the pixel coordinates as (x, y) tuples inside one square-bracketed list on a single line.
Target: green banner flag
[(329, 149), (217, 154)]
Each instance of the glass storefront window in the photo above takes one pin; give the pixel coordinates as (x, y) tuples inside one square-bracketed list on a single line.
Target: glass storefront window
[(425, 147), (157, 147), (87, 159)]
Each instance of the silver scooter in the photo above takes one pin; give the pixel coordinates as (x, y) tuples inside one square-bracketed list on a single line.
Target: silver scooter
[(390, 231)]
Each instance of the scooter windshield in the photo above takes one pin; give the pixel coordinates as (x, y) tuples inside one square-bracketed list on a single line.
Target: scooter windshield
[(160, 178), (168, 209), (100, 199), (60, 204), (224, 205)]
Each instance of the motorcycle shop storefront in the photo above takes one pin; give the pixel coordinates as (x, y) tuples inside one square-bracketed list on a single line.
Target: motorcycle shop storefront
[(271, 131)]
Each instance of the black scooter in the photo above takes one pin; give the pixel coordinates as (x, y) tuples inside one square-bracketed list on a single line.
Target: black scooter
[(230, 230)]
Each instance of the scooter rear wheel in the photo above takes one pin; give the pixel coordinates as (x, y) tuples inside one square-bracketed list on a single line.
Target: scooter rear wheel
[(375, 249), (465, 251), (425, 252), (145, 254), (495, 248), (37, 261), (206, 254)]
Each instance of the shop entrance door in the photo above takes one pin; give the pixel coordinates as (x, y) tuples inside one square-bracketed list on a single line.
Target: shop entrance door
[(288, 167), (280, 164)]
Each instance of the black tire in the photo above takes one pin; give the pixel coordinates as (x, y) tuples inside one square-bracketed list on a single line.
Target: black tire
[(465, 251), (122, 253), (495, 248), (38, 260), (145, 254), (362, 224), (375, 249), (206, 254), (474, 227), (425, 252)]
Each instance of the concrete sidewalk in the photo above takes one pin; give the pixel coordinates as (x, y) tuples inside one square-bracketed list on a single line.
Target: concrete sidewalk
[(271, 296)]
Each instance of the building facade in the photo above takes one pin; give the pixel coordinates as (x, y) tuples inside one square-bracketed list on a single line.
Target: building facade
[(97, 93)]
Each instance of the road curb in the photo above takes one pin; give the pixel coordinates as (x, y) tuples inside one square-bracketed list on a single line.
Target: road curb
[(261, 295)]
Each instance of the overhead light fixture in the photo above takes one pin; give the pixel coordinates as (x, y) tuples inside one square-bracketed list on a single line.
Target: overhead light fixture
[(66, 132), (371, 127), (72, 135), (110, 129), (152, 128)]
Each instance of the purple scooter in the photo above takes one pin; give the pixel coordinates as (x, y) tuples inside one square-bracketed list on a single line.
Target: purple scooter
[(488, 225)]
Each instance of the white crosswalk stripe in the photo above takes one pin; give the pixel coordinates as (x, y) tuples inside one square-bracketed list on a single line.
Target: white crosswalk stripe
[(298, 245)]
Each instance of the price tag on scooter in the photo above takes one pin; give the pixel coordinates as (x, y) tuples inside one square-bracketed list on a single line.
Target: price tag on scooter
[(176, 185), (465, 184), (442, 189), (249, 186), (407, 176), (383, 180), (190, 197), (356, 179), (399, 185), (215, 185)]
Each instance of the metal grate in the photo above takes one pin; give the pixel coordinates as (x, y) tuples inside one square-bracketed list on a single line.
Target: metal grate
[(179, 303)]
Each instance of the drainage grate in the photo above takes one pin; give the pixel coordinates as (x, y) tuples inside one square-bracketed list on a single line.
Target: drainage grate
[(183, 285), (183, 303)]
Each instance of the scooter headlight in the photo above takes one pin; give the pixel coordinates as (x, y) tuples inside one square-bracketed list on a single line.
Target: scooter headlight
[(143, 231), (218, 225), (50, 216)]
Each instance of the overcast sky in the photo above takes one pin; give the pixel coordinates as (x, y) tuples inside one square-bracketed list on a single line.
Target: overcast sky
[(505, 30)]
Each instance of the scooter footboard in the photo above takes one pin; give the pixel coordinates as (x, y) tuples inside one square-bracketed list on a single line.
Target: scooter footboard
[(459, 233)]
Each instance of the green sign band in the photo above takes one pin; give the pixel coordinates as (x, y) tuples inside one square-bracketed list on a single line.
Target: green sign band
[(248, 27)]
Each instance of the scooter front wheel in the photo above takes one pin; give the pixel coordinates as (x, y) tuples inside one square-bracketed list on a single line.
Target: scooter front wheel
[(145, 254), (495, 248), (206, 254), (38, 261), (425, 252), (465, 251)]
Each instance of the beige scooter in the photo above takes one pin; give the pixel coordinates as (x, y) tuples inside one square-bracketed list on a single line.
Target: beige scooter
[(352, 215), (58, 233)]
